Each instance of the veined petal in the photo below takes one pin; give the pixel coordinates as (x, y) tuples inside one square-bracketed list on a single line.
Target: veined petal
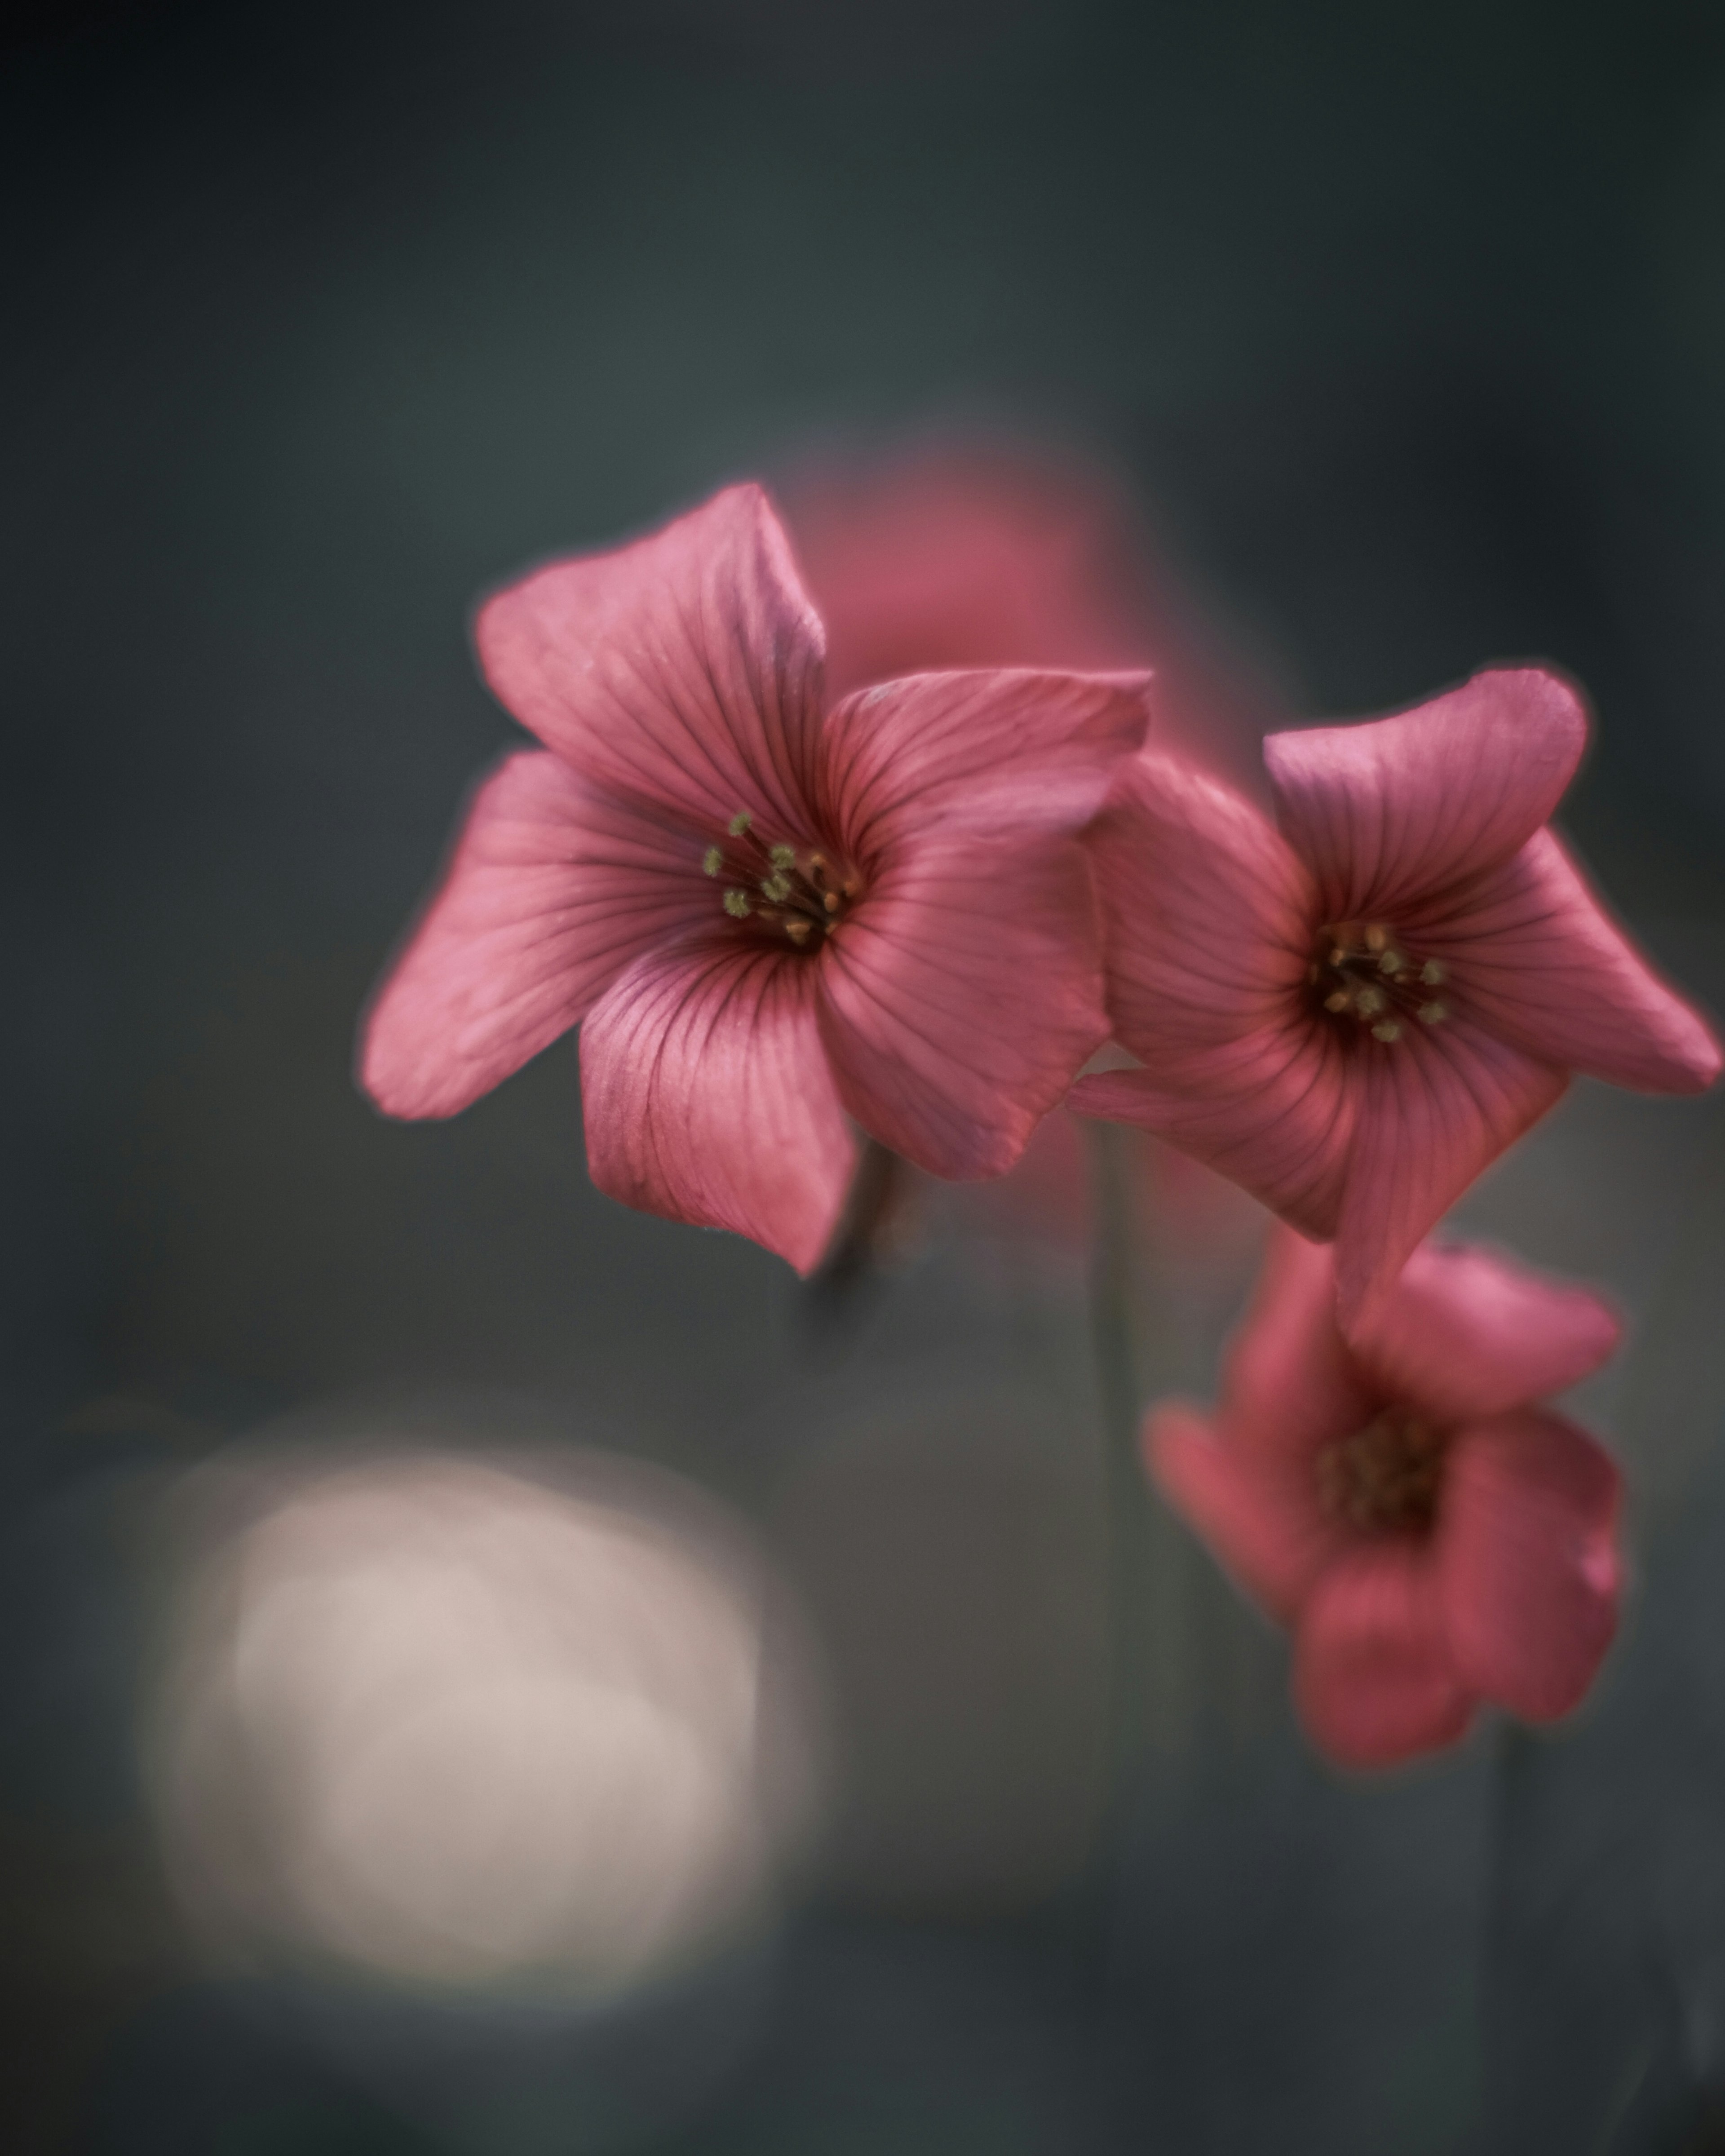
[(1374, 1678), (1528, 1560), (708, 1097), (683, 671), (1541, 964), (1392, 812), (1465, 1332), (1208, 917), (1003, 750), (1289, 1387), (1264, 1524), (551, 892), (1434, 1109), (1277, 1116), (963, 995), (1208, 921)]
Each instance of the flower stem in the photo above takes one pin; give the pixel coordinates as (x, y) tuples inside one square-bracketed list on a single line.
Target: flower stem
[(1130, 1528)]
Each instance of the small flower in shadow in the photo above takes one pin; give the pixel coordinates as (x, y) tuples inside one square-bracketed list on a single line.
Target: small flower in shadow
[(767, 916), (1434, 1537), (1352, 1016)]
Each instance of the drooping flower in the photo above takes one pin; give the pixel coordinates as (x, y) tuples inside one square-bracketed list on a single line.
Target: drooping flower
[(1434, 1537), (764, 914), (1353, 1016)]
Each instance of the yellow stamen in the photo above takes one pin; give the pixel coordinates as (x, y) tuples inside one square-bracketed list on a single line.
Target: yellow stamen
[(1338, 1002), (739, 822), (1386, 1029), (1431, 1013), (713, 860), (736, 904), (1432, 974)]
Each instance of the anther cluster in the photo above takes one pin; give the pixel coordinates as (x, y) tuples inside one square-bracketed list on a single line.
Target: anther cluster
[(1364, 972), (1385, 1477), (796, 892)]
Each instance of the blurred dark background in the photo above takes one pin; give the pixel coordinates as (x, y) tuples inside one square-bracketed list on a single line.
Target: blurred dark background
[(1405, 329)]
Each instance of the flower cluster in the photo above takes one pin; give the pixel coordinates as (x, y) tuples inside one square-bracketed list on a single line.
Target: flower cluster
[(919, 911)]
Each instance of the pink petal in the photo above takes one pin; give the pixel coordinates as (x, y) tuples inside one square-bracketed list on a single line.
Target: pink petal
[(1289, 1386), (683, 671), (1374, 1678), (1434, 1109), (1539, 961), (708, 1097), (1001, 751), (1263, 1522), (1207, 923), (1387, 813), (552, 891), (1465, 1332), (962, 997), (1528, 1560)]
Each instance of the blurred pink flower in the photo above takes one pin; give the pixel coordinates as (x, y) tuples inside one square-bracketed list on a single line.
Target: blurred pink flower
[(994, 554), (764, 914), (1353, 1016), (1433, 1538)]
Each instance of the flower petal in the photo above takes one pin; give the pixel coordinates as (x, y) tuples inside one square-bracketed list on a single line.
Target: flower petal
[(1434, 1109), (1207, 924), (1389, 812), (683, 671), (963, 996), (1289, 1387), (551, 892), (1528, 1560), (1374, 1678), (1465, 1332), (708, 1096), (1539, 962), (1003, 751), (1264, 1524)]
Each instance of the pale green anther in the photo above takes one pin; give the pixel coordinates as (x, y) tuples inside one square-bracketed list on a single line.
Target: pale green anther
[(736, 904), (1388, 1030), (783, 857), (1367, 1001), (777, 888), (1432, 1013), (740, 823), (713, 860), (1390, 962), (1432, 973)]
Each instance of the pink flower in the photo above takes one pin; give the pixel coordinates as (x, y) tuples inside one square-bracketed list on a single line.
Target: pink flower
[(765, 916), (989, 553), (1433, 1538), (1353, 1016)]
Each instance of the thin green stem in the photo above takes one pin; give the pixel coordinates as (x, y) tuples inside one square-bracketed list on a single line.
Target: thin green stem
[(1129, 1522)]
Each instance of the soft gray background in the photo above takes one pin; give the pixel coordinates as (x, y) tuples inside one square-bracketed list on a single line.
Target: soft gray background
[(1407, 325)]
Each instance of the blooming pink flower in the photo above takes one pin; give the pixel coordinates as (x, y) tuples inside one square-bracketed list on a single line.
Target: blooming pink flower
[(1353, 1016), (1433, 1538), (764, 914)]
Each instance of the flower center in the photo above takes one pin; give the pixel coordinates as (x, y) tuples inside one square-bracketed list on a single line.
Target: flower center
[(1385, 1477), (1363, 974), (791, 892)]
